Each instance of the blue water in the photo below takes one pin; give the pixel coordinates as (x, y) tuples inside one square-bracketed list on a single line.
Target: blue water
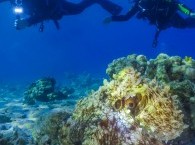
[(83, 44)]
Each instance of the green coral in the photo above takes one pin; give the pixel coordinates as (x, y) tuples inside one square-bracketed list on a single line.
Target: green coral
[(188, 60)]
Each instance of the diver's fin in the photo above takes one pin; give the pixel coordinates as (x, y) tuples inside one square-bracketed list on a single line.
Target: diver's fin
[(111, 7), (155, 41), (41, 27), (190, 22), (56, 23)]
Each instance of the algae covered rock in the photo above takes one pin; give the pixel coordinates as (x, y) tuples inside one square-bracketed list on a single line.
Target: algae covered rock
[(44, 90), (135, 61), (163, 68), (48, 127), (128, 110), (173, 71), (4, 118), (15, 136)]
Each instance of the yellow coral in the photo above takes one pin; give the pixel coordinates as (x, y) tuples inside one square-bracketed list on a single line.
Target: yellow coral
[(138, 107), (154, 110)]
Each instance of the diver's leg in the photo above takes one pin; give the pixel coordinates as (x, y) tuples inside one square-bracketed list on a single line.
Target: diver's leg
[(178, 22), (112, 8), (190, 22), (72, 8), (69, 8)]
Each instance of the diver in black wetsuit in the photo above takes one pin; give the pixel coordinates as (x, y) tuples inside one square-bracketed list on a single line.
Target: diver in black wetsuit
[(41, 10), (161, 13)]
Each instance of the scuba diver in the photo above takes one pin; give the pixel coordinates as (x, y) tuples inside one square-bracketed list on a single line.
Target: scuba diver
[(161, 13), (41, 10)]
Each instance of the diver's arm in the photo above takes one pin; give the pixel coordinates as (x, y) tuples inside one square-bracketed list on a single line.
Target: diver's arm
[(36, 19), (184, 9), (127, 16), (23, 23)]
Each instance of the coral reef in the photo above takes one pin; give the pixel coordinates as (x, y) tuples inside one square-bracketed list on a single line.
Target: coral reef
[(145, 102), (172, 71), (128, 110), (163, 68), (44, 90)]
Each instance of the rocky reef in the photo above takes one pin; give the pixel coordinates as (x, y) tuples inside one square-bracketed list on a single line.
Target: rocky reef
[(44, 90), (21, 123), (145, 102), (48, 127), (15, 136)]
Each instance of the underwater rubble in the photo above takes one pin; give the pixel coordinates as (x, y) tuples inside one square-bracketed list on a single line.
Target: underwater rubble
[(143, 102), (19, 120)]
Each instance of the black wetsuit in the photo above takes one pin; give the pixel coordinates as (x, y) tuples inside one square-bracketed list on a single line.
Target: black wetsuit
[(162, 13), (40, 10)]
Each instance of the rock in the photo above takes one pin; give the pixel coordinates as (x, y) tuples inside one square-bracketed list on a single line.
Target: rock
[(48, 127), (15, 136), (44, 90), (190, 73), (4, 118)]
